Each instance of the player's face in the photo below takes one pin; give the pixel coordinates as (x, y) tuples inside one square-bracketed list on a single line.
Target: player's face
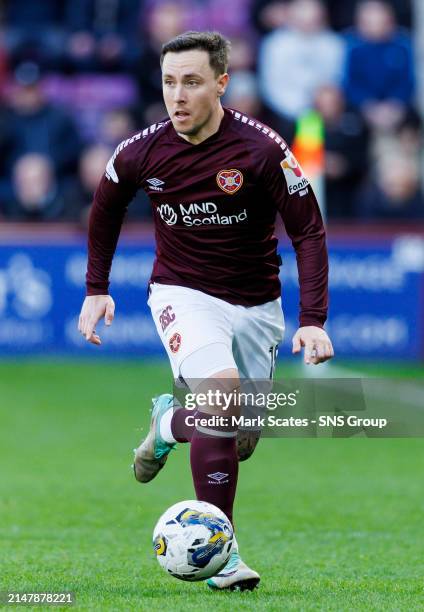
[(191, 92)]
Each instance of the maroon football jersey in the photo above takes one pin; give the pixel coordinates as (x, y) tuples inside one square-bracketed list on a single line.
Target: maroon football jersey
[(214, 207)]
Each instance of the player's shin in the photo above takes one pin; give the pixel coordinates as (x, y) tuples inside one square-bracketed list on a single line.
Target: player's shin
[(214, 466), (181, 425), (213, 453)]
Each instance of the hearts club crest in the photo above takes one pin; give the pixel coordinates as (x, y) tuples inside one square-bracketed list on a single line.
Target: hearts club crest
[(175, 342), (229, 181)]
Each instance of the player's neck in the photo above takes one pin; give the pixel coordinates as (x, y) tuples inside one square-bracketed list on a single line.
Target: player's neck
[(207, 130)]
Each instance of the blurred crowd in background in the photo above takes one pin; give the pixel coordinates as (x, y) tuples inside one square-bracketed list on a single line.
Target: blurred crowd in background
[(79, 76)]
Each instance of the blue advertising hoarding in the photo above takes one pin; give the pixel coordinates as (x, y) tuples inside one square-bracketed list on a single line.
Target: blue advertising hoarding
[(376, 299)]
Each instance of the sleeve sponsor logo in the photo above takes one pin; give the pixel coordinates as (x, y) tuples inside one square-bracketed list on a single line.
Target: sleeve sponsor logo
[(229, 181), (293, 173)]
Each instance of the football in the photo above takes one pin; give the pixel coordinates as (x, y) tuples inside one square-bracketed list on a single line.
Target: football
[(193, 540)]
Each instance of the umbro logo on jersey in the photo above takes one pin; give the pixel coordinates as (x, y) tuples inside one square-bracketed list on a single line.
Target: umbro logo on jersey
[(156, 184), (218, 476)]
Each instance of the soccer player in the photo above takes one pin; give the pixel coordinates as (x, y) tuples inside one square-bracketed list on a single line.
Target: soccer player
[(216, 179)]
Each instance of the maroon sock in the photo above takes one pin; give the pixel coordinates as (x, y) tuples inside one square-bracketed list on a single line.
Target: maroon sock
[(179, 428), (214, 467)]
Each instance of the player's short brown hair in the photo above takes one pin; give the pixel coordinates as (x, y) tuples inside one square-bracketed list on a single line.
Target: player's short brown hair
[(217, 47)]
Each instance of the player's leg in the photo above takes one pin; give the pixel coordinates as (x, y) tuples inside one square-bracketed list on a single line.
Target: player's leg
[(213, 455), (258, 332), (178, 425), (255, 336), (186, 321), (204, 348)]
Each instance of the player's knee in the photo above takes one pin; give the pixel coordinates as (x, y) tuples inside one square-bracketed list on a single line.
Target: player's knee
[(219, 393)]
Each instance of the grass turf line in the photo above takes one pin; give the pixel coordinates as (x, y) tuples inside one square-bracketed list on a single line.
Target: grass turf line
[(329, 524)]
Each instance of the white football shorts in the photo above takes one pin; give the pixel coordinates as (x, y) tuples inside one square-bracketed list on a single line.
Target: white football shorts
[(204, 335)]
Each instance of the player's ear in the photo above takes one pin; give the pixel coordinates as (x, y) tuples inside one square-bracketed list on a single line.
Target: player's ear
[(222, 84)]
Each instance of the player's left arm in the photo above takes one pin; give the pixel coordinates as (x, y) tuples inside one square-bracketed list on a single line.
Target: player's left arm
[(297, 204), (113, 195), (316, 343)]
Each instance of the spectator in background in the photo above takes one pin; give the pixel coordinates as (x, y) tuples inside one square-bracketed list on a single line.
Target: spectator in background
[(406, 139), (346, 151), (296, 60), (243, 95), (231, 18), (33, 125), (268, 15), (380, 72), (103, 34), (342, 12), (242, 56), (34, 29), (409, 135), (36, 194), (91, 168), (164, 21), (394, 193), (116, 125)]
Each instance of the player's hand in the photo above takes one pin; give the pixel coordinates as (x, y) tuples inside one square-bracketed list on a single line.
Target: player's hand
[(315, 341), (94, 308)]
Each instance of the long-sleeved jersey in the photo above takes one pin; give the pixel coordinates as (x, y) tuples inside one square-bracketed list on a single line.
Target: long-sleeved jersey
[(215, 206)]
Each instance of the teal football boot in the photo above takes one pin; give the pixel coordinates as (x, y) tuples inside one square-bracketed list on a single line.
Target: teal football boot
[(235, 576), (151, 455)]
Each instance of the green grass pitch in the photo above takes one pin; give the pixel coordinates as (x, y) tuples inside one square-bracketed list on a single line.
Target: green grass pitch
[(329, 524)]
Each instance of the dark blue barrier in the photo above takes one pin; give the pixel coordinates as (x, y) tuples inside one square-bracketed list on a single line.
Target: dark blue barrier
[(376, 299)]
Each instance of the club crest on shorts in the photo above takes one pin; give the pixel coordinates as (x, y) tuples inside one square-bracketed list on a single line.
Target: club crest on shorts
[(175, 342), (229, 181)]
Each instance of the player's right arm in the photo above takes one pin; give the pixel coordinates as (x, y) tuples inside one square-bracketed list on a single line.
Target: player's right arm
[(115, 191)]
